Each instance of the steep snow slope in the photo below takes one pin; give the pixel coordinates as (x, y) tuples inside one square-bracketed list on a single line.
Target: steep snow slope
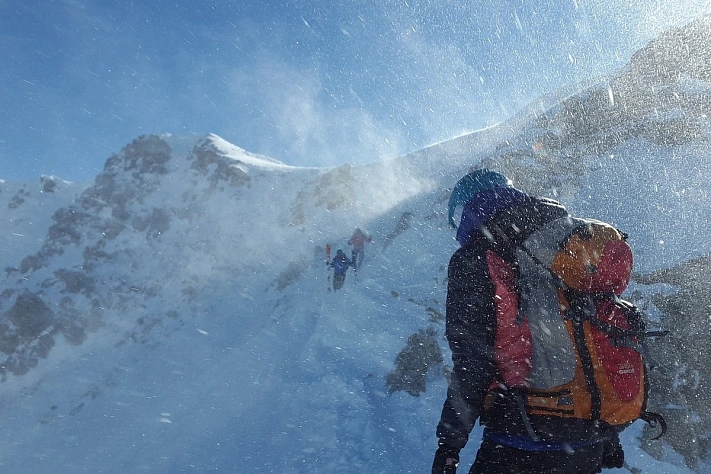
[(28, 209)]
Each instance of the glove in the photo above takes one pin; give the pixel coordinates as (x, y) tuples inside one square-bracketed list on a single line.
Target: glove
[(613, 456), (446, 460)]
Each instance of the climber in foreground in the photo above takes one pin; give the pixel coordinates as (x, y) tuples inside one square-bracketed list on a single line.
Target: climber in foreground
[(545, 353)]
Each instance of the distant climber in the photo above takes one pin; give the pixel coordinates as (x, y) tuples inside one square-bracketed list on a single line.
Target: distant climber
[(358, 241), (340, 264)]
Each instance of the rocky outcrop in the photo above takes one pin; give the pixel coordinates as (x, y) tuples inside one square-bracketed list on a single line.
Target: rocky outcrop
[(682, 380)]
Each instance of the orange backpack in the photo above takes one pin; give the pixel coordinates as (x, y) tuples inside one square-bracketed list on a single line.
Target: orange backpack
[(564, 338)]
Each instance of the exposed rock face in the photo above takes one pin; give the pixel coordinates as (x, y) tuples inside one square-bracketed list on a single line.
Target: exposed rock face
[(415, 360), (209, 163), (333, 190), (678, 52), (402, 225), (663, 96), (25, 333), (144, 161), (682, 382), (141, 194)]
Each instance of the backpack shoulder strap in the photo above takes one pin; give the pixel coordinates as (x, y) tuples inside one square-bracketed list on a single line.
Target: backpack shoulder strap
[(511, 226)]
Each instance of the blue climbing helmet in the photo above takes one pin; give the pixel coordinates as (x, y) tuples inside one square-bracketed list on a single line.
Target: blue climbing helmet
[(472, 183)]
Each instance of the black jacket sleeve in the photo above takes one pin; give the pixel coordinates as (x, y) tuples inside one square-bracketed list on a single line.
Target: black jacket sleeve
[(471, 332)]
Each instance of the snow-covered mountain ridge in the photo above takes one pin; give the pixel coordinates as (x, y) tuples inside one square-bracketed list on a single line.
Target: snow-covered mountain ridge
[(173, 314)]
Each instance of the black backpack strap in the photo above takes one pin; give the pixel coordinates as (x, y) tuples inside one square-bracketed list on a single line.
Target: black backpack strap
[(653, 420), (521, 405), (511, 226)]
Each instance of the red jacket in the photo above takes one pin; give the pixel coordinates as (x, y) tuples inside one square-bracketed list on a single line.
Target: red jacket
[(358, 240)]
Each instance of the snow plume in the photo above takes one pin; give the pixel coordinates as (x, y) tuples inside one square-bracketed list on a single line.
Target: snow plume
[(175, 314), (306, 129)]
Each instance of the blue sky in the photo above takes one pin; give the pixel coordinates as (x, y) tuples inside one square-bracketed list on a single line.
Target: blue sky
[(308, 83)]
